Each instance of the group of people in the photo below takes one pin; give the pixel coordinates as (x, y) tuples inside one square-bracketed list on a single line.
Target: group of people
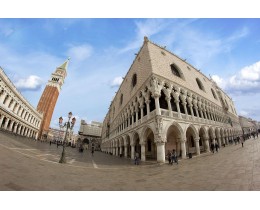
[(172, 157), (214, 147)]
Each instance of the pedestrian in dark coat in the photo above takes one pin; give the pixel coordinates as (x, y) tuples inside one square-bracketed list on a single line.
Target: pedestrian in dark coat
[(169, 156), (212, 147), (174, 156), (242, 142), (217, 147)]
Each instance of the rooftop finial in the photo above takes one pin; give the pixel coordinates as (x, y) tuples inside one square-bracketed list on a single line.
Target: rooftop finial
[(146, 39)]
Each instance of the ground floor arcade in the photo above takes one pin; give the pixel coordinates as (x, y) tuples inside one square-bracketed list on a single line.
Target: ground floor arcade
[(154, 139), (13, 125)]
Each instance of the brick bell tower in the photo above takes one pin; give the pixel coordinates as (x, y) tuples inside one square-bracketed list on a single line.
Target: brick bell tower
[(49, 97)]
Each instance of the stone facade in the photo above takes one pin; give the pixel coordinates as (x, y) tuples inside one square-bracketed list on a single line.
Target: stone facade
[(90, 133), (17, 115), (49, 98), (248, 126), (165, 103)]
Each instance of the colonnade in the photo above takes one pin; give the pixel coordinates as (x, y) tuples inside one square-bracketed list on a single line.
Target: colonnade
[(161, 102), (191, 140), (163, 98), (16, 114)]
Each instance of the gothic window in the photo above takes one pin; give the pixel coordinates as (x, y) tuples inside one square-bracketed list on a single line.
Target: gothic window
[(162, 101), (134, 80), (213, 93), (121, 99), (200, 84), (176, 70)]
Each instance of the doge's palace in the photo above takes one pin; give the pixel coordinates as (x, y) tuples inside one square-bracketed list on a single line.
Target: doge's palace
[(17, 115), (164, 103)]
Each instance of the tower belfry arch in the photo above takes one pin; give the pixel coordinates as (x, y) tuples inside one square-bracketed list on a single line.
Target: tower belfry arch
[(50, 96)]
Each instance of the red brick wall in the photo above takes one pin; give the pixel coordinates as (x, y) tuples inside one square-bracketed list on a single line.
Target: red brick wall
[(46, 105)]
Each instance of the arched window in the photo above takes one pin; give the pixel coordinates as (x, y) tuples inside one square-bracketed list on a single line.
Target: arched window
[(175, 70), (200, 84), (213, 93), (134, 80)]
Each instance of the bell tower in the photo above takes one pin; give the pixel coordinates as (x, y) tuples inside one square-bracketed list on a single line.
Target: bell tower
[(49, 97)]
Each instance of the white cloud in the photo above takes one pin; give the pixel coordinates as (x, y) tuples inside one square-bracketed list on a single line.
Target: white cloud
[(243, 113), (147, 28), (247, 80), (116, 82), (220, 81), (80, 52), (201, 47), (251, 72), (30, 83)]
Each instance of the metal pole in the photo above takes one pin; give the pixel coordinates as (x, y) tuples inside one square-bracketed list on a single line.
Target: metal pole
[(63, 159)]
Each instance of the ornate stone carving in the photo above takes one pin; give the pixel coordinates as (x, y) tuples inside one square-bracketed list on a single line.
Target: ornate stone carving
[(155, 87), (159, 124)]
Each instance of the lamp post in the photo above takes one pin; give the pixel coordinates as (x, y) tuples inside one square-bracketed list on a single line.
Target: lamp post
[(69, 125)]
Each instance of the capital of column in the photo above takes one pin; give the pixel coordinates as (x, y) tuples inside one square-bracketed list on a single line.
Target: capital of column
[(156, 94), (197, 139), (182, 140), (160, 143), (160, 139), (168, 98)]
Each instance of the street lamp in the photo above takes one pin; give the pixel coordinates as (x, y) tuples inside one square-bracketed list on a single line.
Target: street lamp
[(69, 125)]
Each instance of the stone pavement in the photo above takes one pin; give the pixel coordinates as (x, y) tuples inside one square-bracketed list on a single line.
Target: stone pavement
[(29, 165)]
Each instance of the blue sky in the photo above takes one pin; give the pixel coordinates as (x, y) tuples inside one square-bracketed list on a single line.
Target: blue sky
[(102, 50)]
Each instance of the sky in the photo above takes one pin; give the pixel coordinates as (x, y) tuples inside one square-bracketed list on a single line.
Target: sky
[(101, 52)]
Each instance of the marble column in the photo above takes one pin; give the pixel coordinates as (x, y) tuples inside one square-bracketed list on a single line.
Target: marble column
[(125, 151), (143, 152), (6, 123), (148, 108), (219, 142), (1, 120), (183, 149), (197, 112), (116, 150), (177, 101), (11, 126), (207, 144), (133, 152), (120, 150), (157, 105), (197, 146), (169, 106), (142, 112), (160, 152)]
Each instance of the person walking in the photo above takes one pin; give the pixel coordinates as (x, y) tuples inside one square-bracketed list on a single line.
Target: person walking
[(242, 142), (92, 152), (50, 142), (212, 147), (174, 156), (169, 156), (216, 146), (136, 158)]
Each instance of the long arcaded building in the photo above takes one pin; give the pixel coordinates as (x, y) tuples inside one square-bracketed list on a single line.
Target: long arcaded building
[(17, 115), (165, 103)]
